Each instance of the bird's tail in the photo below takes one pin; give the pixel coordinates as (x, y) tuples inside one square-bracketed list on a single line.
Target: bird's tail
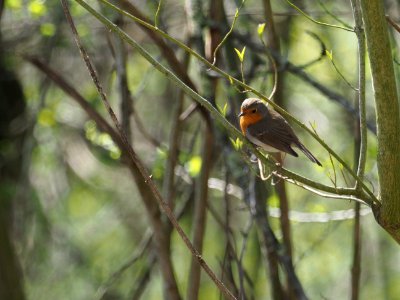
[(308, 154)]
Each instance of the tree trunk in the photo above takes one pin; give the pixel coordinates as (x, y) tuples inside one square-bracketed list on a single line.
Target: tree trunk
[(387, 115)]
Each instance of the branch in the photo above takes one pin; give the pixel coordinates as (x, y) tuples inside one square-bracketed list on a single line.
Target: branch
[(207, 105), (149, 201), (299, 71), (271, 244), (372, 200), (361, 147), (146, 177), (393, 23), (318, 22), (123, 88), (387, 112), (361, 88)]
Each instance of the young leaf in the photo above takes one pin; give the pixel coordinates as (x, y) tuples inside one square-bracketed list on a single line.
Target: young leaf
[(194, 166), (240, 54), (237, 144), (329, 54), (260, 30), (224, 109)]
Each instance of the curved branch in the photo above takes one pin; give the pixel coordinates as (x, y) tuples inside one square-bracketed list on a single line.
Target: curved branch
[(145, 176), (201, 100), (207, 105)]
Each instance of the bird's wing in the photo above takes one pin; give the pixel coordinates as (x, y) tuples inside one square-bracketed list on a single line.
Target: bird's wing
[(275, 132)]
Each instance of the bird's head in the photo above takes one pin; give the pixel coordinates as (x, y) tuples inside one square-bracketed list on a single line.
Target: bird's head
[(251, 112)]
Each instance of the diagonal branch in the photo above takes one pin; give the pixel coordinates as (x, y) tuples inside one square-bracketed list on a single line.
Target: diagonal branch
[(146, 177), (207, 105)]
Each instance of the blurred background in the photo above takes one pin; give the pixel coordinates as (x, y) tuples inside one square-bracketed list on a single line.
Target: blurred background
[(78, 222)]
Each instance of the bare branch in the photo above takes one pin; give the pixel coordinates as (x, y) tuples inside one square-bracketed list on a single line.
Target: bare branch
[(172, 288)]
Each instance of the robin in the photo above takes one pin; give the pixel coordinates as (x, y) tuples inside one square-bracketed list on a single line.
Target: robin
[(267, 129)]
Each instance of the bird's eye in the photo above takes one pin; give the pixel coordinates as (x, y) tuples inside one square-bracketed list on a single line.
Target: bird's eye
[(254, 111)]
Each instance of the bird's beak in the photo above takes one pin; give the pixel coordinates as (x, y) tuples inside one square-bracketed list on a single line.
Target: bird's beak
[(241, 114)]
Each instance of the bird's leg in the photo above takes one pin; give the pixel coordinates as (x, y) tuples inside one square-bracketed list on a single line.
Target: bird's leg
[(280, 157), (283, 157)]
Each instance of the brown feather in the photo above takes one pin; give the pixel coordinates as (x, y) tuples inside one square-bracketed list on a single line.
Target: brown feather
[(270, 128)]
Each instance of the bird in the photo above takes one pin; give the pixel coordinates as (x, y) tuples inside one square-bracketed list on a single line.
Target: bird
[(267, 129)]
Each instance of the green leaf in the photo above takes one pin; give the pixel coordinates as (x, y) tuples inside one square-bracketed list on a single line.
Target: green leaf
[(223, 112), (46, 117), (240, 54), (273, 201), (37, 8), (260, 30), (47, 29), (329, 54), (237, 144), (194, 165), (230, 80), (14, 4)]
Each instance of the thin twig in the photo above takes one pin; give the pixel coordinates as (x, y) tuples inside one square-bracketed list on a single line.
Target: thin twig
[(341, 74), (393, 23), (318, 22), (242, 291), (360, 152), (334, 16), (372, 200), (157, 13), (269, 250), (135, 159), (361, 89), (200, 99), (228, 33), (123, 87), (142, 247)]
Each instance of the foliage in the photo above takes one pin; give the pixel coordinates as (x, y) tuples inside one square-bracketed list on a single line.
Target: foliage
[(81, 225)]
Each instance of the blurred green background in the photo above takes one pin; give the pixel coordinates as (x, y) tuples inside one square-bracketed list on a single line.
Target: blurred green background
[(76, 218)]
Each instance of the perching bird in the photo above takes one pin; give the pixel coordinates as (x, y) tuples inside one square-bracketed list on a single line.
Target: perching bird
[(267, 129)]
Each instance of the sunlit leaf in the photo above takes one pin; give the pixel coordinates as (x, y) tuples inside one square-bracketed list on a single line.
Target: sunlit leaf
[(240, 54), (37, 8), (273, 201), (47, 29), (224, 109), (14, 4), (260, 30), (115, 153), (46, 117), (329, 54), (237, 144), (194, 165)]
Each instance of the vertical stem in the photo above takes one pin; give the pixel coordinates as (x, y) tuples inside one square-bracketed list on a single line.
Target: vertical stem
[(356, 267), (387, 114), (268, 247), (360, 152), (200, 210), (125, 94), (359, 30), (273, 43)]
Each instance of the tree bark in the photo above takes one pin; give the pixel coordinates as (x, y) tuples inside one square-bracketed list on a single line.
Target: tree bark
[(387, 115)]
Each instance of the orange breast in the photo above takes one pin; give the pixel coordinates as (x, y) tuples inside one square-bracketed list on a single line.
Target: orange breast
[(247, 120)]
